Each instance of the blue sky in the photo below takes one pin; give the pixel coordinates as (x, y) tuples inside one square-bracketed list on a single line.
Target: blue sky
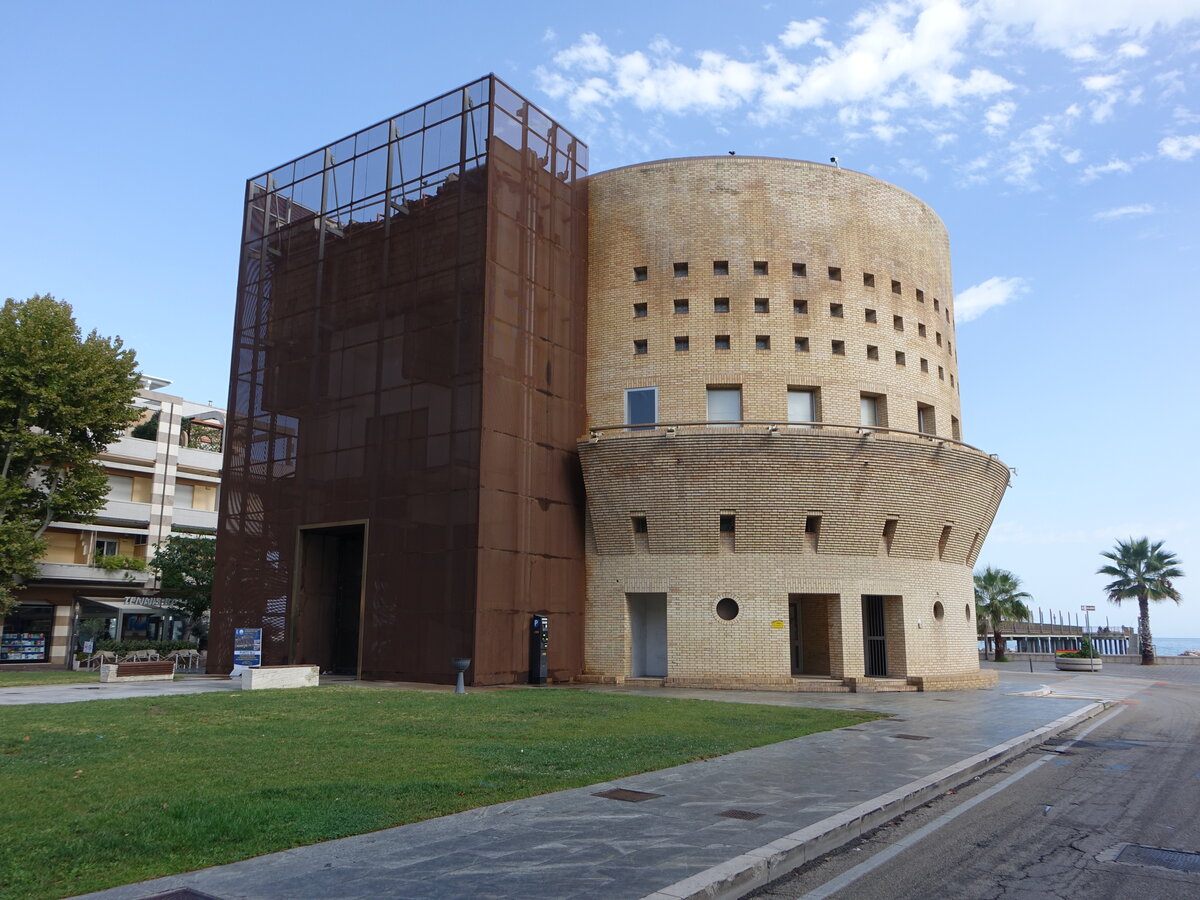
[(1058, 139)]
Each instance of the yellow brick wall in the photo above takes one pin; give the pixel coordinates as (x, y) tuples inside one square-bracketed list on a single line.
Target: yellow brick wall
[(746, 211)]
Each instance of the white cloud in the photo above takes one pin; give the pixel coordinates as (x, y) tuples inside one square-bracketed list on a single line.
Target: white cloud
[(1180, 147), (914, 168), (1123, 212), (998, 116), (1091, 173), (1108, 88), (1130, 50), (1027, 152), (798, 34), (1100, 83), (996, 291), (897, 55), (1066, 25), (549, 35)]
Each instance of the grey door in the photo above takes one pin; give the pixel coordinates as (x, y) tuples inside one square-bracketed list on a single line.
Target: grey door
[(648, 635)]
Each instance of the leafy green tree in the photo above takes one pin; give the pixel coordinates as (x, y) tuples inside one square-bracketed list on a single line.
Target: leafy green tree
[(999, 598), (63, 398), (185, 569), (1144, 571)]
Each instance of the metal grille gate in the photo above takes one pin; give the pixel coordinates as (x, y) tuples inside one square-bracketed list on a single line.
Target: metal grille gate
[(874, 644)]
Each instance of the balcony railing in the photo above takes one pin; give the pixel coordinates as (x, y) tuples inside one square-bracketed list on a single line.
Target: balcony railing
[(125, 511), (191, 458), (81, 572), (776, 427), (194, 518)]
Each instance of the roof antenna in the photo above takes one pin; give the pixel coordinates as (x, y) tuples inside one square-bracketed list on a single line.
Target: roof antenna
[(833, 159)]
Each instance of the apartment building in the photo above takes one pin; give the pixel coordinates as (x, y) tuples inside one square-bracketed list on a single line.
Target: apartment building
[(164, 477)]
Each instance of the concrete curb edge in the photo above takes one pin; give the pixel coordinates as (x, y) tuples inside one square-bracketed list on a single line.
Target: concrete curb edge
[(755, 868)]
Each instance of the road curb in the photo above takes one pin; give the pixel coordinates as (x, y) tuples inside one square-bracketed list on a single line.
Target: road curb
[(762, 865)]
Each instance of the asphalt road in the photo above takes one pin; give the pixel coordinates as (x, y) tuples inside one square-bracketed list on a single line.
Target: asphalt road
[(1047, 824)]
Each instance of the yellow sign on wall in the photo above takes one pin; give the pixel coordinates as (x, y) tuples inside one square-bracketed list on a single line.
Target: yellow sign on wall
[(778, 623)]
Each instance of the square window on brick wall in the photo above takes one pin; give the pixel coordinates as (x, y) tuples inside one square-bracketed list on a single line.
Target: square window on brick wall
[(801, 345), (898, 322), (900, 358), (872, 351), (835, 274), (639, 273), (920, 296), (936, 305), (640, 310), (639, 525), (681, 270), (681, 307), (721, 342), (760, 267), (868, 279), (640, 347), (681, 343), (799, 270), (838, 348), (938, 337), (728, 523), (721, 267), (762, 305), (869, 315), (800, 307), (762, 342), (924, 365), (895, 287), (920, 329), (941, 373), (721, 305), (836, 310)]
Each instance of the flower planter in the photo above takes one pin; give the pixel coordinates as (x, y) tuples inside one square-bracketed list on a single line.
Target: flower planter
[(1075, 664)]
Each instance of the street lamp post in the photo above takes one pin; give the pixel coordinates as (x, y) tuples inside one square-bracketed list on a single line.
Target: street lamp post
[(1087, 621)]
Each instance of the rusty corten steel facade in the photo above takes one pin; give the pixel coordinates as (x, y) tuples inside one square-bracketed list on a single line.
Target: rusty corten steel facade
[(407, 388)]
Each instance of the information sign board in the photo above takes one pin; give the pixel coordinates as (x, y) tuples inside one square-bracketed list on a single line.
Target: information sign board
[(247, 646)]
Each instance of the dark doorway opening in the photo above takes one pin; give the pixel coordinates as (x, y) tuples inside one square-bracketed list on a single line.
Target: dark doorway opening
[(328, 622), (808, 633)]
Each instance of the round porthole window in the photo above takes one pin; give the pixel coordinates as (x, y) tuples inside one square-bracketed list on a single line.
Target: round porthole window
[(727, 608), (939, 611), (967, 609)]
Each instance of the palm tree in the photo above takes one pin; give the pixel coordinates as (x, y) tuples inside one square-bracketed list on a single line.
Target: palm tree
[(999, 598), (1143, 570)]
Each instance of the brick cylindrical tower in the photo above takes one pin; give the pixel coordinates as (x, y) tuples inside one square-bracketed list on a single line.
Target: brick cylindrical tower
[(777, 488)]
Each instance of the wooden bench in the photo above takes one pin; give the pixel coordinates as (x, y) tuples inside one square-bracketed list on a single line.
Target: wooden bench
[(163, 670)]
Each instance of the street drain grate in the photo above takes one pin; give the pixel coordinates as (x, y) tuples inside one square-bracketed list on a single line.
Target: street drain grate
[(627, 795), (911, 737), (743, 814), (1179, 860), (183, 894)]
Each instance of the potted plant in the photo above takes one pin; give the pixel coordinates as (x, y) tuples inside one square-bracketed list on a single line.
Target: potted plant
[(1085, 659)]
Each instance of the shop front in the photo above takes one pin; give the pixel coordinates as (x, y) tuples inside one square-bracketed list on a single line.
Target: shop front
[(25, 636)]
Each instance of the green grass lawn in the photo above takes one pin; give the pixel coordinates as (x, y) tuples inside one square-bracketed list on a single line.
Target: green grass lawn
[(59, 676), (113, 791)]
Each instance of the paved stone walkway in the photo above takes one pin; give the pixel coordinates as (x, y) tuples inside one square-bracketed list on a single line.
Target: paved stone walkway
[(807, 792)]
